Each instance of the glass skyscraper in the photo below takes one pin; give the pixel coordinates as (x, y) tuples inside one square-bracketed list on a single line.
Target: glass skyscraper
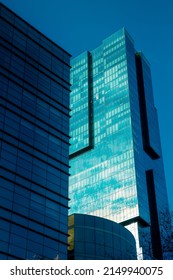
[(116, 159), (34, 142)]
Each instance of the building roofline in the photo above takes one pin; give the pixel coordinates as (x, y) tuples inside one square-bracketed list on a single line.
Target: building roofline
[(2, 5)]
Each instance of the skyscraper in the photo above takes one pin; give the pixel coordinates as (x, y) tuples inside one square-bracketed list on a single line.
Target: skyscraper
[(116, 159), (34, 142)]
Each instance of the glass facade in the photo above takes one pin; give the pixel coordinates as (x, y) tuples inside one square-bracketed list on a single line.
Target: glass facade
[(34, 142), (95, 238), (115, 140)]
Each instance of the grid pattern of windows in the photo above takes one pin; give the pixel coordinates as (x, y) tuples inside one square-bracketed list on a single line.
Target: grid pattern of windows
[(109, 180), (106, 173), (80, 96), (34, 144)]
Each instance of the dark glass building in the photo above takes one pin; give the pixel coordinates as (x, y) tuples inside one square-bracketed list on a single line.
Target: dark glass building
[(96, 238), (116, 159), (34, 142)]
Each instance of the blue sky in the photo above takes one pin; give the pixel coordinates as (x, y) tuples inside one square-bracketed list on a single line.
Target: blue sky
[(79, 25)]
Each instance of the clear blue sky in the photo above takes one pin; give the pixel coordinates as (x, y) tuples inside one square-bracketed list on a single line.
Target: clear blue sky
[(79, 25)]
